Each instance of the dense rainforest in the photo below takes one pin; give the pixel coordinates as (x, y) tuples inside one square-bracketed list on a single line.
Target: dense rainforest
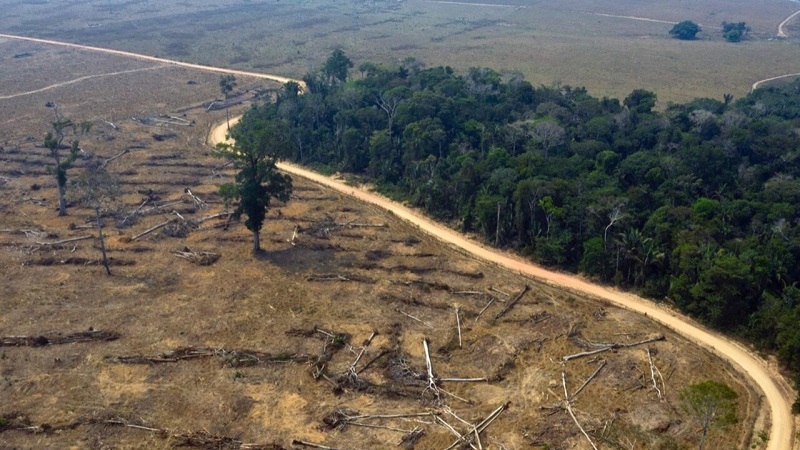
[(697, 204)]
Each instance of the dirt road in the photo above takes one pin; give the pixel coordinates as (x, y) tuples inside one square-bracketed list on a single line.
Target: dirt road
[(776, 391), (782, 26)]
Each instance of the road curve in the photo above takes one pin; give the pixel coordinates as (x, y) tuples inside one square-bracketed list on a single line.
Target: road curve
[(773, 386), (781, 27), (767, 80)]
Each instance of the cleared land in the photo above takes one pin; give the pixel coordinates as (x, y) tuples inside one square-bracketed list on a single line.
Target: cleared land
[(204, 332), (549, 43)]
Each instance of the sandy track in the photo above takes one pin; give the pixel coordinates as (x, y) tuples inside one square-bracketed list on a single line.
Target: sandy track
[(782, 26), (766, 80), (775, 389), (78, 80)]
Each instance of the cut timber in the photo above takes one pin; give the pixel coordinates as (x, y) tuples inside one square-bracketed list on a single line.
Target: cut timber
[(297, 443), (151, 229), (481, 426), (588, 380), (431, 378), (571, 413), (613, 346), (512, 302), (653, 373), (66, 241), (105, 163)]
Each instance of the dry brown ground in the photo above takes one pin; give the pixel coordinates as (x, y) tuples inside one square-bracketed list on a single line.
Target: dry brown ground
[(158, 303)]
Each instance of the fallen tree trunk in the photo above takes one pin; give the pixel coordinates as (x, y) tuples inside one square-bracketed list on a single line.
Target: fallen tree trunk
[(512, 302)]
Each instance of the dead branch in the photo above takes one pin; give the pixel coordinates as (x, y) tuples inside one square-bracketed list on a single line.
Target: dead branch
[(410, 439), (492, 288), (414, 318), (485, 308), (371, 361), (588, 380), (612, 346), (569, 409), (458, 324), (297, 443), (481, 426), (512, 302), (199, 258), (151, 229), (464, 380), (468, 293), (105, 163), (198, 203), (65, 241), (213, 216), (653, 373), (431, 378)]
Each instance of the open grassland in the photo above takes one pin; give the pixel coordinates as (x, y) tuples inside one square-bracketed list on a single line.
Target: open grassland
[(600, 45), (257, 349)]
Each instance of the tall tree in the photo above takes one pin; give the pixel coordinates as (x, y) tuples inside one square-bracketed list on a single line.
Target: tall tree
[(337, 65), (227, 83), (258, 144), (54, 142)]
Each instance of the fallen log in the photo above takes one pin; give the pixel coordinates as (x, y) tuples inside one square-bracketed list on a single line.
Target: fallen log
[(298, 443), (511, 303), (66, 241), (151, 229), (613, 346), (571, 413), (41, 341)]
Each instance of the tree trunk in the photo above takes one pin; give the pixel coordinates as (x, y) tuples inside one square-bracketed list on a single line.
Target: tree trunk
[(102, 241), (256, 242), (62, 201)]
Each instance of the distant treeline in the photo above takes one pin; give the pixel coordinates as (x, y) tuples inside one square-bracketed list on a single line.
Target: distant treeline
[(698, 205)]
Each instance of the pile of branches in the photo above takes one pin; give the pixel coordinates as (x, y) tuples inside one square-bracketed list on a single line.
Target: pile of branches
[(179, 228), (199, 258), (44, 340)]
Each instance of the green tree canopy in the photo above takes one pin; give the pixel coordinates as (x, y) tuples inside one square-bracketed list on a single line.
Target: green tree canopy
[(685, 30), (712, 404), (258, 145), (734, 32)]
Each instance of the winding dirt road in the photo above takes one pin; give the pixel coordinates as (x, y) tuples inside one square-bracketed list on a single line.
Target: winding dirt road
[(777, 392), (782, 27)]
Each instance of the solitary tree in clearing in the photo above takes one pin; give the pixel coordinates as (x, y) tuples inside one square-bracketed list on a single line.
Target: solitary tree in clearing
[(54, 141), (258, 142), (734, 32), (97, 189), (711, 404), (226, 85), (686, 30)]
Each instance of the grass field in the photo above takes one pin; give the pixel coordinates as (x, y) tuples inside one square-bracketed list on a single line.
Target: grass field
[(175, 375), (570, 42)]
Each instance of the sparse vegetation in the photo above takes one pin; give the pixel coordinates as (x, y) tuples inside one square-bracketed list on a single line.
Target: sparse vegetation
[(712, 404), (734, 32), (685, 31)]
